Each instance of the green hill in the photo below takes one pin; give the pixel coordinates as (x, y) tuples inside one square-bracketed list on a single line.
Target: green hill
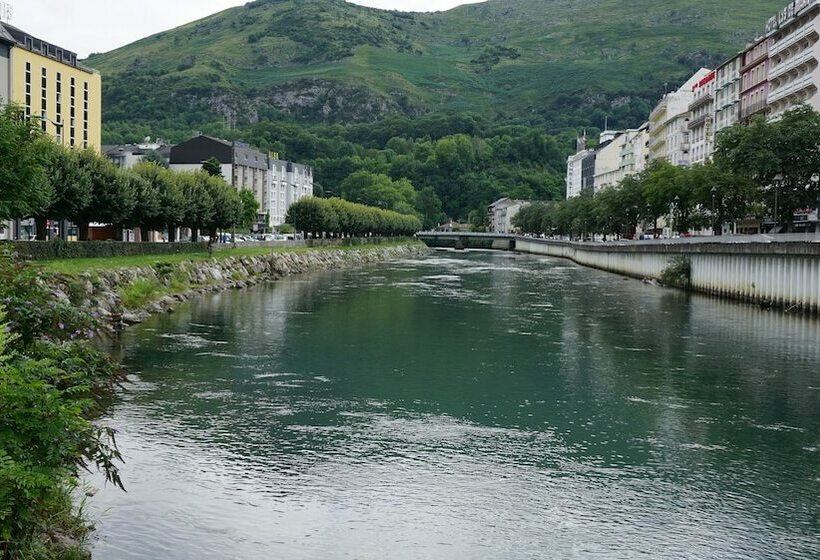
[(556, 63)]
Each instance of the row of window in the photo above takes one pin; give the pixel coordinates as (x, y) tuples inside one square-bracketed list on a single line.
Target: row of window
[(59, 123)]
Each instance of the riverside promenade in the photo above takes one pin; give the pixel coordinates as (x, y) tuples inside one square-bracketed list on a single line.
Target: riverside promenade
[(780, 271)]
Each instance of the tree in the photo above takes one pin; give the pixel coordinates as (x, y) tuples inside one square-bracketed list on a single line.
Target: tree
[(249, 209), (112, 195), (212, 167), (71, 184), (24, 152), (428, 207), (153, 156), (171, 198), (782, 158), (479, 220)]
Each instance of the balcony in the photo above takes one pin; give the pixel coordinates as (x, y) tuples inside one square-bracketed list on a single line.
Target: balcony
[(752, 109), (790, 88), (791, 63), (792, 38), (701, 101), (699, 121)]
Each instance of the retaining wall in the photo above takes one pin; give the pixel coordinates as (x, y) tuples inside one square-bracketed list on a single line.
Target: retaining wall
[(785, 275)]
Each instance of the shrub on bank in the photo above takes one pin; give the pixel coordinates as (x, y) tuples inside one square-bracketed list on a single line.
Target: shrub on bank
[(52, 383), (51, 250)]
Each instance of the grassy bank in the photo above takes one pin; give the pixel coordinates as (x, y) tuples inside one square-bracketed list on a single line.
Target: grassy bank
[(77, 266)]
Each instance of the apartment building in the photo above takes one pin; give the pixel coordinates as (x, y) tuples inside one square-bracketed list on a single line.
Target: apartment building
[(701, 119), (635, 150), (668, 122), (49, 84), (794, 57), (289, 183), (754, 79), (276, 184), (727, 93), (574, 177), (501, 214), (242, 166)]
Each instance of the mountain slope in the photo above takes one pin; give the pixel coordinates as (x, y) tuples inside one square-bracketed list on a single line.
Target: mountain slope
[(553, 62)]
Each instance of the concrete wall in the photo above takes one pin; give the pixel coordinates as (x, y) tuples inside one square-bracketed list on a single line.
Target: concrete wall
[(783, 275)]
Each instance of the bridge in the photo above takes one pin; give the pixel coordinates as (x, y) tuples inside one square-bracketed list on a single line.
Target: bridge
[(467, 240), (770, 270)]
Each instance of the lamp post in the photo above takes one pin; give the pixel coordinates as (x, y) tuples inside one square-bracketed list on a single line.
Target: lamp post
[(778, 181), (815, 181), (715, 223)]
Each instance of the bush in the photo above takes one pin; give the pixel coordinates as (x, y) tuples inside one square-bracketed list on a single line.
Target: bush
[(678, 273), (49, 250), (46, 437), (340, 217), (139, 292)]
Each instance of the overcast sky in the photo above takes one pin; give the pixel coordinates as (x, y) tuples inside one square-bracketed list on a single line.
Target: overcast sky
[(87, 26)]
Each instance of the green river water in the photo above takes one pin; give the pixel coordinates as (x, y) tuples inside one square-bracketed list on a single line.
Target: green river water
[(466, 405)]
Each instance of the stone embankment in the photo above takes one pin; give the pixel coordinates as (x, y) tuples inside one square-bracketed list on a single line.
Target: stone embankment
[(101, 293)]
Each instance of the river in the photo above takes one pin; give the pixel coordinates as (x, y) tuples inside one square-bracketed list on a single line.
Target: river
[(466, 405)]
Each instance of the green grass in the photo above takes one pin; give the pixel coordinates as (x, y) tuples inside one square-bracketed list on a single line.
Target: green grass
[(78, 266), (139, 292)]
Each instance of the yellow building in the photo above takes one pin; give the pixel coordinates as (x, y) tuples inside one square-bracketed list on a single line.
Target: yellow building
[(51, 86)]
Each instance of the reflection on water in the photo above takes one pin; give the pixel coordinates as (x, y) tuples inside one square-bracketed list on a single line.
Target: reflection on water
[(467, 406)]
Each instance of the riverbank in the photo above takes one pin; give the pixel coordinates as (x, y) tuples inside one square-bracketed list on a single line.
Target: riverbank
[(129, 295), (52, 374)]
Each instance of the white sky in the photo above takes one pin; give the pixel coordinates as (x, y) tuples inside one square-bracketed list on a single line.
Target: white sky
[(87, 26)]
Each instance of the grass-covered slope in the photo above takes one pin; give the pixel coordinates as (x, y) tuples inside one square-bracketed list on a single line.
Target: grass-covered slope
[(556, 62)]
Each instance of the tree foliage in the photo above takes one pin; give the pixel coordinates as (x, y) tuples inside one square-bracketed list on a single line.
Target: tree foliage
[(24, 154), (338, 217)]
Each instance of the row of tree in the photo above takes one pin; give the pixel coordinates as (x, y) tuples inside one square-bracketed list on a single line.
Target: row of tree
[(762, 170), (45, 181), (337, 217)]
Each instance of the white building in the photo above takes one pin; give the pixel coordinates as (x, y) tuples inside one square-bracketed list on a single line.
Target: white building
[(289, 182), (574, 181), (608, 160), (635, 152), (794, 57), (701, 119), (672, 113), (502, 212), (727, 93)]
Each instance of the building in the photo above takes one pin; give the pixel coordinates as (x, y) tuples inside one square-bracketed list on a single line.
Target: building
[(701, 119), (727, 93), (51, 86), (502, 212), (48, 83), (635, 151), (794, 57), (669, 122), (128, 155), (754, 80), (607, 171), (289, 183), (276, 184), (574, 163)]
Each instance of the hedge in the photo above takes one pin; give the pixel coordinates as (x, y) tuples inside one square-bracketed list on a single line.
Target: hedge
[(48, 250), (335, 216)]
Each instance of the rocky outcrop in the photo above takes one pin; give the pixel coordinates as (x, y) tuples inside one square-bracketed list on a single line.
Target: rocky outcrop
[(169, 284)]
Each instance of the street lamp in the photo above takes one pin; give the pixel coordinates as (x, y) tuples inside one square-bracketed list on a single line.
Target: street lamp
[(714, 215), (778, 182)]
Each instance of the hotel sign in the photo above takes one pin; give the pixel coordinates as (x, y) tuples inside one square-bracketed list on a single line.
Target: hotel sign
[(786, 14)]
